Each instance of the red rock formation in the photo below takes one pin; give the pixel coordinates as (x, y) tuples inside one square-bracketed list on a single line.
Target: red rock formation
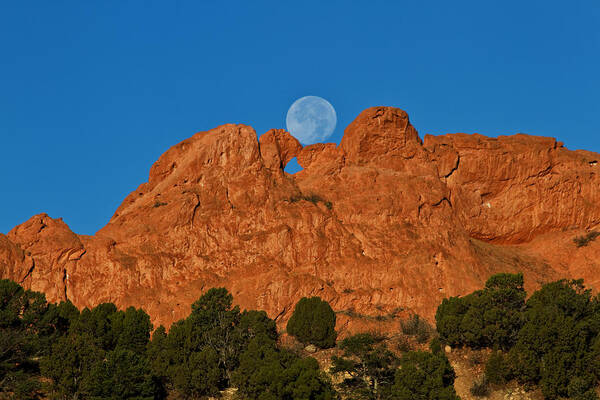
[(14, 262), (512, 188), (53, 249), (383, 224)]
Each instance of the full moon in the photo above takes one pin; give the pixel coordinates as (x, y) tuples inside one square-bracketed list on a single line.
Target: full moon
[(311, 119)]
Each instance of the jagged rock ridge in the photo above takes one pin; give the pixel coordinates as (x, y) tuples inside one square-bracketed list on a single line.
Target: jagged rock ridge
[(382, 225)]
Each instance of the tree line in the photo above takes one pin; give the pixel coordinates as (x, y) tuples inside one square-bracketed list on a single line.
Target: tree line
[(57, 351), (550, 340)]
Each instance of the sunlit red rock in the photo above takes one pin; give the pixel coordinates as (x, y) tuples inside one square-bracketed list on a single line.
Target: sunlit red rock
[(381, 226)]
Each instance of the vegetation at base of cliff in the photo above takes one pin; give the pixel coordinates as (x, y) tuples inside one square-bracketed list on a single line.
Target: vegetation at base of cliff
[(58, 352), (313, 198), (584, 240), (417, 327), (313, 322), (22, 321), (367, 365), (424, 375), (480, 387), (552, 340), (491, 317), (159, 203), (381, 317), (369, 370), (268, 372)]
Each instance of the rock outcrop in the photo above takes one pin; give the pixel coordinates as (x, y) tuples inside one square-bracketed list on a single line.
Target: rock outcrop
[(383, 225)]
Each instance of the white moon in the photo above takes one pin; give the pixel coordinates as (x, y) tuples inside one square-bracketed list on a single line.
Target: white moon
[(311, 119)]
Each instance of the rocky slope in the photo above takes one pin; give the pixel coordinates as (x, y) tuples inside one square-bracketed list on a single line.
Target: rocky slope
[(382, 225)]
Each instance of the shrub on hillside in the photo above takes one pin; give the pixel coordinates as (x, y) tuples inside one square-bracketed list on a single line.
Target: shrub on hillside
[(417, 327), (581, 241), (313, 198), (267, 372), (559, 344), (497, 369), (480, 387), (366, 365), (103, 355), (217, 346), (435, 346), (313, 322), (490, 317), (403, 343), (448, 317), (423, 375), (200, 352), (21, 315)]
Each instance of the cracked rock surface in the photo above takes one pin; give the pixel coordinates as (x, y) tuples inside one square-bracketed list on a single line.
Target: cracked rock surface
[(383, 225)]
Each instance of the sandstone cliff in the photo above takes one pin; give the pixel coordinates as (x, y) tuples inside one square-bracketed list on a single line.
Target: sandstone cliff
[(382, 225)]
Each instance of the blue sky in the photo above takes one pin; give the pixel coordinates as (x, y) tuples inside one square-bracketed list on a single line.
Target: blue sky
[(92, 93)]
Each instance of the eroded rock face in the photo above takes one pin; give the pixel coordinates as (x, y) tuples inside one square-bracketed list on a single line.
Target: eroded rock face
[(53, 248), (512, 188), (277, 148), (15, 264), (380, 226)]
